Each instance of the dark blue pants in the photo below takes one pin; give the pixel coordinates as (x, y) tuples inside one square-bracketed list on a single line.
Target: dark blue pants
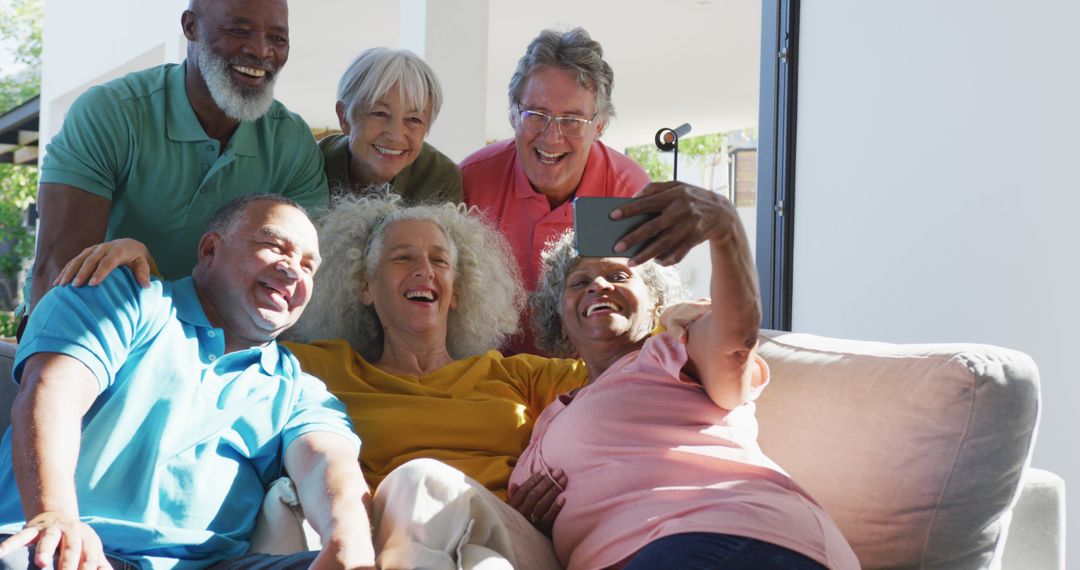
[(708, 551)]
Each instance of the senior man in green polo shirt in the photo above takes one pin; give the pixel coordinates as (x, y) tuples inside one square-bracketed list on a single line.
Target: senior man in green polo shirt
[(152, 155)]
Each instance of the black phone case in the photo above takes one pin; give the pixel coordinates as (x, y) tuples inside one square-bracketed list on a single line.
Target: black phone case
[(595, 233)]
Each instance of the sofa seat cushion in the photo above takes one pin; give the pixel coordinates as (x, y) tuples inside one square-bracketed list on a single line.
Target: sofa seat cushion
[(916, 451)]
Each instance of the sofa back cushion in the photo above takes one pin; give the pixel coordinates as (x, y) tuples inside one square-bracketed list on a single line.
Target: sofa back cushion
[(916, 451)]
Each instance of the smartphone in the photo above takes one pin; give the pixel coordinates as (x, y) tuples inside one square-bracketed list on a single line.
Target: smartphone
[(595, 233)]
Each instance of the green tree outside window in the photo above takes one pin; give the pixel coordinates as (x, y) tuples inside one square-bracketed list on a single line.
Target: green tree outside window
[(21, 30)]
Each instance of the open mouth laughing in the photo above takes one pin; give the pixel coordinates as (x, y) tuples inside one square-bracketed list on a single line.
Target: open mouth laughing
[(253, 72), (278, 295), (549, 157), (421, 295), (388, 151), (601, 307)]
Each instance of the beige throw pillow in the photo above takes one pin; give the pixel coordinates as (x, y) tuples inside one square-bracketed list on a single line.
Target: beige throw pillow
[(916, 451)]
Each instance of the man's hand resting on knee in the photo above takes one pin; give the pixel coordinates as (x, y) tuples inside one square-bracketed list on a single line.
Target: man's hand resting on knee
[(73, 542)]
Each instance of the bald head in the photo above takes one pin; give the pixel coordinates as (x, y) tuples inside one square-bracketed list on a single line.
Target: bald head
[(197, 5), (211, 11)]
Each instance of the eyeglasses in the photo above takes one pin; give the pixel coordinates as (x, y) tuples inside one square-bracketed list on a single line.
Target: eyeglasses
[(535, 122)]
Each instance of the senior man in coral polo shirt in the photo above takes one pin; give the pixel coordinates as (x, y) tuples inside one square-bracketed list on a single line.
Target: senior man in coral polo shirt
[(560, 102)]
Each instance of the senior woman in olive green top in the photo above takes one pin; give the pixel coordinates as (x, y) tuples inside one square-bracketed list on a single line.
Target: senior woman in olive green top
[(387, 102)]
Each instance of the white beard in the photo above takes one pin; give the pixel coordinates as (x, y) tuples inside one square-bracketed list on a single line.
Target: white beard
[(237, 102)]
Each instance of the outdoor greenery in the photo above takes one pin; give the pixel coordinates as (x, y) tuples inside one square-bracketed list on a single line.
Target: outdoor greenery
[(648, 156), (705, 155), (707, 151), (21, 27), (18, 188), (21, 30)]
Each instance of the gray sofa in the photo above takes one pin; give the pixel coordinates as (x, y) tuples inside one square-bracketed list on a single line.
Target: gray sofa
[(919, 452)]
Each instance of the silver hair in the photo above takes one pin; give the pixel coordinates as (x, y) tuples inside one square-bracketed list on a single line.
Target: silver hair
[(237, 102), (373, 73), (574, 51), (486, 280), (556, 262)]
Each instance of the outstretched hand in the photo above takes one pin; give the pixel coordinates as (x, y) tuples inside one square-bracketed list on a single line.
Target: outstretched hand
[(97, 261), (687, 216), (71, 541), (538, 500)]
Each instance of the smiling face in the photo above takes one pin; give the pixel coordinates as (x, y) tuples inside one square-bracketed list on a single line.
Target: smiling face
[(412, 283), (239, 47), (605, 302), (256, 279), (385, 139), (555, 163)]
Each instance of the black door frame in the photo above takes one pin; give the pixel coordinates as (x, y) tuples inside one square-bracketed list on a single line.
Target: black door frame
[(776, 160)]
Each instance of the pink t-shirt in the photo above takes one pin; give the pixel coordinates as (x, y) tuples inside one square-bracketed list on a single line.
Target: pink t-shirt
[(494, 181), (648, 455)]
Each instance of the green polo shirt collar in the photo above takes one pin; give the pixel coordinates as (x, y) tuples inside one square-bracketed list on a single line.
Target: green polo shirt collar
[(182, 125)]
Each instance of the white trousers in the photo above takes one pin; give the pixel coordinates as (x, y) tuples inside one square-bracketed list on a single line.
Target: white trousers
[(430, 515), (427, 515)]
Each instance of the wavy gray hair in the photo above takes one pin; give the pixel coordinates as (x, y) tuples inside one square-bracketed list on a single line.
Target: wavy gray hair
[(556, 262), (574, 51), (486, 281), (371, 75)]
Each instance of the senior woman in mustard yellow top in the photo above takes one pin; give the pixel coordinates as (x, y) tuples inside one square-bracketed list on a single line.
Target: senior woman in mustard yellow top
[(416, 299), (419, 296)]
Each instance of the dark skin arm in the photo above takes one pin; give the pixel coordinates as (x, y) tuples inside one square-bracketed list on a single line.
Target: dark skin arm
[(538, 498), (687, 216), (71, 221), (723, 344)]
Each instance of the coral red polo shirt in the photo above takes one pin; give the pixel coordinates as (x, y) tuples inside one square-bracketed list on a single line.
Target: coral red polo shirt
[(495, 182)]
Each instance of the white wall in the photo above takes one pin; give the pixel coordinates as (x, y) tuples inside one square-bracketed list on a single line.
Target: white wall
[(937, 189), (86, 44), (324, 37)]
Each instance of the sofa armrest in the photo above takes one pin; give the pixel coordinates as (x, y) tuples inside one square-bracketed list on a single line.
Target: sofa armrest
[(1036, 539), (8, 387)]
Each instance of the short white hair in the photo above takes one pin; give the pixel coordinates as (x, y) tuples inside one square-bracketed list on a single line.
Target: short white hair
[(373, 73)]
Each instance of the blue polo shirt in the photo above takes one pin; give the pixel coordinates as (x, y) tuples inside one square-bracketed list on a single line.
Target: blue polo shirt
[(182, 440)]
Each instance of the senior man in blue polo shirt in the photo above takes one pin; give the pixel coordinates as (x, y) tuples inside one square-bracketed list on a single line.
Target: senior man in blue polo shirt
[(153, 154), (149, 421)]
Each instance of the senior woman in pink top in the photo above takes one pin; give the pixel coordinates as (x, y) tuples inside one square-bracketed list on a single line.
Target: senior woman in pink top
[(659, 447)]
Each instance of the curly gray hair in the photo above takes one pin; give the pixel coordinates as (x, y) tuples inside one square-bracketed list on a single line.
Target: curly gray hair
[(486, 281), (556, 262), (574, 51)]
